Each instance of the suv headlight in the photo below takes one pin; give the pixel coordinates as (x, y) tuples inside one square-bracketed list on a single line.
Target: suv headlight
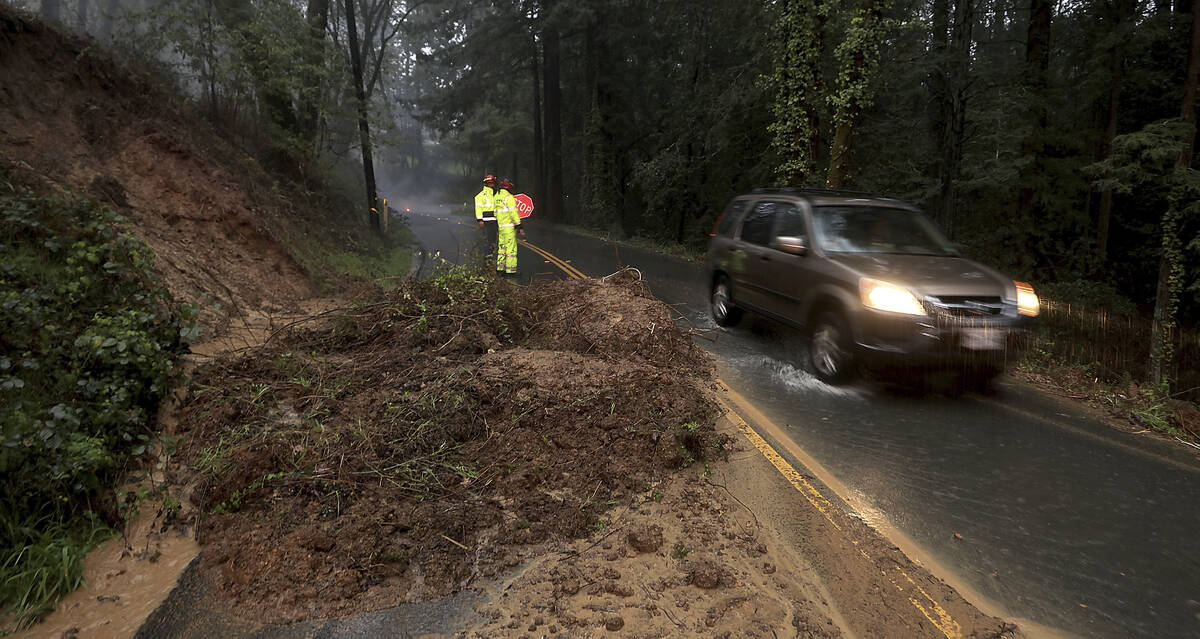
[(1027, 300), (885, 296)]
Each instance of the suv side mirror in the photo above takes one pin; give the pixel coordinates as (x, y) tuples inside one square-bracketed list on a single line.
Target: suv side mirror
[(790, 244)]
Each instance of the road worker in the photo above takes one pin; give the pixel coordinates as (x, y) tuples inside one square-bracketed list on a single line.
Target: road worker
[(508, 222), (485, 214)]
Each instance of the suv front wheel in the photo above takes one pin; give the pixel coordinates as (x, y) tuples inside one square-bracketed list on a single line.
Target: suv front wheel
[(830, 349), (723, 310)]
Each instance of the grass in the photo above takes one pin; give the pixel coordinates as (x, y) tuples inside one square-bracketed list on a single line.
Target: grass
[(45, 566), (377, 257)]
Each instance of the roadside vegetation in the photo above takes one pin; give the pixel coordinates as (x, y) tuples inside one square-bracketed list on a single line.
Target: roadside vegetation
[(92, 320), (1090, 344), (88, 340)]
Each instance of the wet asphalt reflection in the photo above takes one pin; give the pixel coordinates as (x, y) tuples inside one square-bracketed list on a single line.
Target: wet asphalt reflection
[(1048, 515)]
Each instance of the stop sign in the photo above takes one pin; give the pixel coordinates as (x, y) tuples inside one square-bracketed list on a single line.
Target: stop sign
[(524, 205)]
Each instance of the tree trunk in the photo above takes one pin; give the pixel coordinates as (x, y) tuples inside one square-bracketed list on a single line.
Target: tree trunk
[(539, 158), (1122, 14), (317, 15), (840, 156), (553, 115), (952, 110), (1110, 132), (364, 127), (1165, 299), (275, 102), (1037, 64), (798, 84), (858, 65), (51, 9)]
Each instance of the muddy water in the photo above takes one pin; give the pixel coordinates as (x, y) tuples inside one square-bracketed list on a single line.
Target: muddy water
[(127, 577), (124, 583)]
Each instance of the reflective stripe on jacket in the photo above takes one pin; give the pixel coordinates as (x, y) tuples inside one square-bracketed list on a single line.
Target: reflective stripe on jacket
[(485, 204), (506, 209)]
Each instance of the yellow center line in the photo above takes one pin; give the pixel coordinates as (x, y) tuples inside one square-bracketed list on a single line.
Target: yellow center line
[(934, 613), (559, 262), (789, 473), (938, 617)]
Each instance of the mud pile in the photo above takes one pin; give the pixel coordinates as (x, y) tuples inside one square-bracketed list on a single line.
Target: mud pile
[(402, 449)]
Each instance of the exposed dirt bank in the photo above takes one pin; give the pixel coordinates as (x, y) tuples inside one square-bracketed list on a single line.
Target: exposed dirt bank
[(76, 120)]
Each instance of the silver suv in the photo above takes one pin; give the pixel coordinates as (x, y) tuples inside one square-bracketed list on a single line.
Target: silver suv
[(870, 279)]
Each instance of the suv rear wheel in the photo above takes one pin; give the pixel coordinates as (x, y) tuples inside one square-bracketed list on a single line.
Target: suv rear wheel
[(830, 349), (723, 310)]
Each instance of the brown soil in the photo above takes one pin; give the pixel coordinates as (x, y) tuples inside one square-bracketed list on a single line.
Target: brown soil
[(74, 120), (406, 448)]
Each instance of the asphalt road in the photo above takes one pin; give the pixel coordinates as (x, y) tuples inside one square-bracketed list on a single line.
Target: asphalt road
[(1033, 510)]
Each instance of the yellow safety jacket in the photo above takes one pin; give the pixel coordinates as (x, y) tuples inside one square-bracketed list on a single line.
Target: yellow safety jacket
[(507, 215), (485, 205)]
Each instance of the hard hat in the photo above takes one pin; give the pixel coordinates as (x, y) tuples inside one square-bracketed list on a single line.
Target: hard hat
[(506, 184), (489, 179)]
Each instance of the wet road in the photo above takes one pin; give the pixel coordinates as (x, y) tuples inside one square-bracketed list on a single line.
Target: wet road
[(1067, 526)]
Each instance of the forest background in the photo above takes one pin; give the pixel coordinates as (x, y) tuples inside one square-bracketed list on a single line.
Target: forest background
[(1053, 140)]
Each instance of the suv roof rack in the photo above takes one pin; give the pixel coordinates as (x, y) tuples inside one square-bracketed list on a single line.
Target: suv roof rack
[(795, 190)]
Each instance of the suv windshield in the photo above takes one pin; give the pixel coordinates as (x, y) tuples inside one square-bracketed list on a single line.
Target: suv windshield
[(874, 229)]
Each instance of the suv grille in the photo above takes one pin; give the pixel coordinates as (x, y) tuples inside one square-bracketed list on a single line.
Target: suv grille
[(963, 306)]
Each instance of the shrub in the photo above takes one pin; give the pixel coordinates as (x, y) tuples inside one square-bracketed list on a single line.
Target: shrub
[(87, 344)]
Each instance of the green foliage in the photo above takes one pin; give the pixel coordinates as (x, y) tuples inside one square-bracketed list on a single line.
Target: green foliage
[(87, 343), (797, 87), (857, 55), (1146, 163), (42, 561), (247, 62)]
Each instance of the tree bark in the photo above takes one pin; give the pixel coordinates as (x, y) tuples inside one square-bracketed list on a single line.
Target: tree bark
[(317, 15), (364, 127), (1123, 13), (1164, 302), (1110, 132), (1037, 64), (539, 158), (953, 110), (553, 115)]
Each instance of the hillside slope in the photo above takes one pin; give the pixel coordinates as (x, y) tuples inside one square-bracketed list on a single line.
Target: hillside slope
[(75, 120)]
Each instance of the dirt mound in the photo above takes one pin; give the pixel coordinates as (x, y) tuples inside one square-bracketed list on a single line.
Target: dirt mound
[(410, 446), (616, 317), (73, 119)]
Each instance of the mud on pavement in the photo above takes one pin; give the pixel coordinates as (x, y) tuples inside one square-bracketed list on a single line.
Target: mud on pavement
[(555, 446)]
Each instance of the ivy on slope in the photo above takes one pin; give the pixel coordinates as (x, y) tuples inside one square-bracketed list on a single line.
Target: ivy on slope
[(88, 339)]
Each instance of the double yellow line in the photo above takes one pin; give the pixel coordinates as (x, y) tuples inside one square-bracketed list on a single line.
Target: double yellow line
[(927, 605), (571, 271), (924, 603)]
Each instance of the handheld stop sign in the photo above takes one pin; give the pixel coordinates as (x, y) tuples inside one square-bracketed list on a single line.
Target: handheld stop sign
[(524, 205)]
